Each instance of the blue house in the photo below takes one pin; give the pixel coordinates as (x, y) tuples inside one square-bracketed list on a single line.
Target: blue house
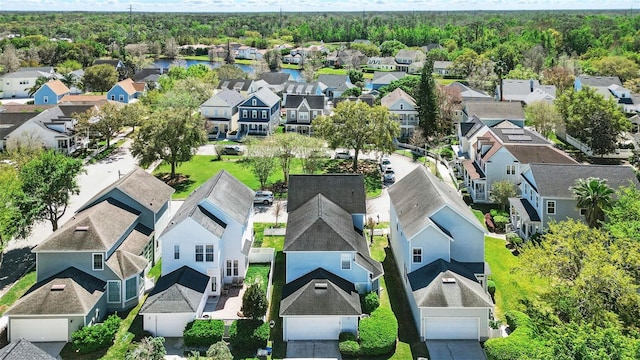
[(125, 91), (50, 93), (260, 113)]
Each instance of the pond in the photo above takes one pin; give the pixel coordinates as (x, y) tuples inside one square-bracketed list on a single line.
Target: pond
[(165, 63)]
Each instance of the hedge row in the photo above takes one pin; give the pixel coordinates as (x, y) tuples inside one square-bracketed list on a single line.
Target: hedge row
[(520, 344), (203, 332), (249, 334), (100, 336), (378, 333)]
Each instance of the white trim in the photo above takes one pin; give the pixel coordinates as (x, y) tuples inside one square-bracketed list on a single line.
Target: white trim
[(547, 203), (413, 255), (93, 262), (119, 292)]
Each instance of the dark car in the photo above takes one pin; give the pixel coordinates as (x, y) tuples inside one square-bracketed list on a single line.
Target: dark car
[(231, 150)]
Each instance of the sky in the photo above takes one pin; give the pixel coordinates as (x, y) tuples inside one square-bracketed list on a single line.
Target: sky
[(306, 5)]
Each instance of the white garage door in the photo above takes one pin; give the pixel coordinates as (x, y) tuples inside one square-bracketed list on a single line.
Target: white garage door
[(447, 328), (39, 330), (312, 328)]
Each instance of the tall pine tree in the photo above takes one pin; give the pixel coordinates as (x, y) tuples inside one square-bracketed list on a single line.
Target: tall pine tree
[(427, 102)]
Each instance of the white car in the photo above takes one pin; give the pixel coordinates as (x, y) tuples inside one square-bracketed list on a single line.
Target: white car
[(389, 175), (343, 155), (385, 164), (263, 197)]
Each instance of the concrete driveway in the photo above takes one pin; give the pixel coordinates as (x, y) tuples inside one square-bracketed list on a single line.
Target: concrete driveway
[(455, 350), (313, 350)]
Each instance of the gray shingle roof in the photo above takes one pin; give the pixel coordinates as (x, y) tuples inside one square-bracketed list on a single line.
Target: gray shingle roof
[(11, 121), (432, 286), (142, 187), (518, 89), (332, 81), (294, 87), (599, 81), (397, 94), (345, 190), (388, 76), (495, 110), (179, 291), (275, 78), (23, 350), (512, 134), (555, 180), (308, 295), (235, 84), (125, 264), (525, 209), (468, 93), (528, 154), (230, 97), (314, 101), (419, 195), (267, 96), (79, 295)]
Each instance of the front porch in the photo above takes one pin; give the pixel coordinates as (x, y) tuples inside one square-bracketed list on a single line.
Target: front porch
[(524, 219), (475, 181)]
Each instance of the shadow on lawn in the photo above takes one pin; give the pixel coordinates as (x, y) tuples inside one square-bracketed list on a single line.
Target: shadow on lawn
[(180, 182)]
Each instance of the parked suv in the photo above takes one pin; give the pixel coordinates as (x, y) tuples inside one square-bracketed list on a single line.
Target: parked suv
[(384, 164), (231, 150), (263, 197), (389, 175)]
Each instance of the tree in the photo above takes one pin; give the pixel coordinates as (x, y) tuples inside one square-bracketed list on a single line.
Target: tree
[(356, 76), (311, 64), (171, 48), (68, 66), (149, 348), (15, 219), (501, 191), (107, 121), (595, 196), (311, 154), (522, 73), (100, 78), (623, 217), (25, 147), (170, 134), (254, 302), (354, 91), (449, 102), (48, 181), (355, 125), (41, 80), (543, 116), (261, 158), (285, 147), (273, 58), (391, 47), (466, 63), (427, 103), (619, 66), (228, 72), (408, 84), (559, 76), (633, 85), (9, 59), (70, 80), (219, 351)]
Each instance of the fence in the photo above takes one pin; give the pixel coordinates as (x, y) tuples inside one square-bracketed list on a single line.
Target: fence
[(618, 154), (264, 255)]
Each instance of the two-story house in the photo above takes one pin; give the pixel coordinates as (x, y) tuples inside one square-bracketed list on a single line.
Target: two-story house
[(301, 110), (546, 195), (328, 264), (13, 116), (19, 83), (301, 88), (205, 246), (243, 86), (259, 113), (331, 84), (406, 57), (443, 68), (494, 112), (403, 106), (50, 93), (221, 112), (126, 91), (525, 91), (95, 263), (382, 63), (438, 245)]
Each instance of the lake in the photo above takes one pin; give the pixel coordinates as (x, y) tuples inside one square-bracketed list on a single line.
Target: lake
[(295, 74)]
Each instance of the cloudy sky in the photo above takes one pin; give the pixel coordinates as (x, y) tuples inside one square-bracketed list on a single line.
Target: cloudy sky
[(306, 5)]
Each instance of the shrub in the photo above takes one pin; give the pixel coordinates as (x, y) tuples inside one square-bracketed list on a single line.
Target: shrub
[(500, 222), (498, 212), (248, 334), (149, 348), (370, 303), (203, 332), (349, 348), (521, 344), (254, 302), (100, 336), (378, 333), (347, 335), (447, 153), (219, 351), (491, 288)]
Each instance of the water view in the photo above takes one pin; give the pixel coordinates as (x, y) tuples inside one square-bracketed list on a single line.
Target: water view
[(165, 63)]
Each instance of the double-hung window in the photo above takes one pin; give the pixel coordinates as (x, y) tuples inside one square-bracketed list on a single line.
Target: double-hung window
[(176, 252), (551, 207), (417, 255), (232, 267), (345, 261), (511, 169), (208, 253), (98, 261), (199, 253)]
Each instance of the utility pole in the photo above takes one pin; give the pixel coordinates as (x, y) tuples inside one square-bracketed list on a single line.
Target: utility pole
[(130, 23)]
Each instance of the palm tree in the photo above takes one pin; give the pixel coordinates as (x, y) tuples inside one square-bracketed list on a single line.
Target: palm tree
[(70, 80), (41, 80), (593, 195)]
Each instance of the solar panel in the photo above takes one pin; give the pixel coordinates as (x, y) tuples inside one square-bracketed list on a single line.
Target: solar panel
[(519, 137), (513, 131)]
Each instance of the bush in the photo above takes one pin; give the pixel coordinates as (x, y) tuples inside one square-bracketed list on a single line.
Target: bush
[(219, 351), (349, 348), (370, 303), (100, 336), (500, 222), (521, 344), (347, 335), (447, 153), (491, 288), (498, 212), (203, 332), (248, 334), (149, 348), (378, 333), (254, 302)]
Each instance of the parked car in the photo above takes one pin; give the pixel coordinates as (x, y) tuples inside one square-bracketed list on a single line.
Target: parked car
[(263, 197), (343, 155), (231, 150), (385, 163), (389, 175)]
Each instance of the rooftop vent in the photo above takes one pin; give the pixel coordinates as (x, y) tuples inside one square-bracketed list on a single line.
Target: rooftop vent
[(321, 286), (82, 228), (448, 280), (57, 287)]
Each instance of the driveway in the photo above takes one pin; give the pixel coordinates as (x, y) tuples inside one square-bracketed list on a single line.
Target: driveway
[(455, 350), (313, 350)]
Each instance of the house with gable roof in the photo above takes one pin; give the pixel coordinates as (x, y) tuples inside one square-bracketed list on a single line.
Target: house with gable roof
[(206, 245), (383, 78), (334, 85), (406, 57), (221, 112), (438, 246), (243, 86), (301, 110), (18, 83), (13, 116), (328, 264), (23, 349), (525, 91), (126, 91), (259, 113), (50, 93), (494, 112), (404, 107)]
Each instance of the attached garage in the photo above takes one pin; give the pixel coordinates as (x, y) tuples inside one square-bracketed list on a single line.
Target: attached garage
[(39, 330), (312, 328), (450, 328), (167, 325)]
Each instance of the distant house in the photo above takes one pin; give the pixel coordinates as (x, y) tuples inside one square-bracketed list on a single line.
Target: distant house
[(259, 113), (126, 91), (221, 112), (610, 86), (332, 83), (525, 91), (243, 86), (366, 98), (275, 80), (293, 59), (381, 78), (116, 63), (23, 349), (546, 195), (50, 93), (346, 58), (301, 110), (438, 245), (18, 84), (492, 113), (403, 106), (382, 63), (406, 57), (443, 68), (13, 116), (470, 94)]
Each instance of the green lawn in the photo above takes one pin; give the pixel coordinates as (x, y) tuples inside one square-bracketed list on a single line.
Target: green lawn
[(258, 273), (333, 71), (21, 286)]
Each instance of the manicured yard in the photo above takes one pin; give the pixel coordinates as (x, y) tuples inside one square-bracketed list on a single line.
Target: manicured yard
[(258, 273), (21, 286)]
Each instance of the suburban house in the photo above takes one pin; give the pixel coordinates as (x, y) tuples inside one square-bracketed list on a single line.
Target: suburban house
[(346, 58), (149, 76), (205, 246), (259, 113), (126, 91), (525, 91), (301, 110), (95, 263), (382, 63), (23, 349), (275, 80), (406, 57), (301, 88), (116, 63), (334, 83), (383, 78), (546, 195), (328, 265), (443, 68), (610, 86), (221, 112), (469, 94), (438, 245), (50, 93), (18, 83), (243, 86), (366, 98), (293, 59), (247, 52), (494, 112), (13, 116), (403, 106)]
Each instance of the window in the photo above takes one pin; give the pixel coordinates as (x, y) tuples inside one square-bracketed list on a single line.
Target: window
[(526, 190), (199, 253), (244, 113), (176, 252), (113, 291), (401, 106), (254, 102), (264, 114), (254, 114), (551, 207), (98, 261), (121, 97), (511, 169), (208, 253), (113, 97), (345, 261), (293, 114), (417, 255), (536, 201), (232, 267), (130, 289), (45, 99)]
